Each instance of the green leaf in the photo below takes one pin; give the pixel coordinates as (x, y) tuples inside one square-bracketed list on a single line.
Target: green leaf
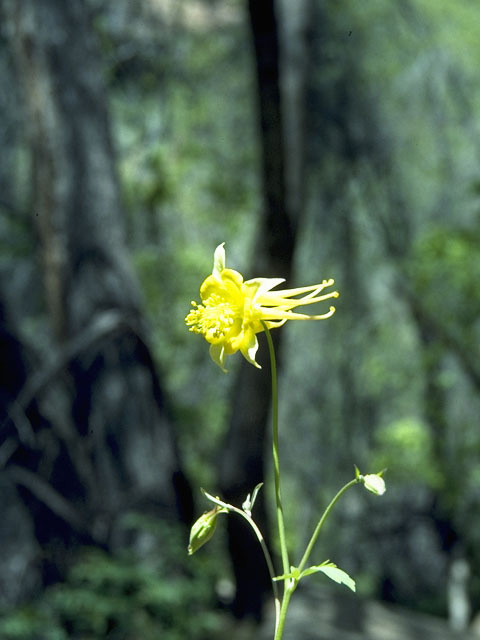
[(247, 506), (294, 574), (216, 500), (333, 572)]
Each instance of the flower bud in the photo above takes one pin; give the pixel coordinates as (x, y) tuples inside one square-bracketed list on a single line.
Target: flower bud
[(203, 529), (374, 483)]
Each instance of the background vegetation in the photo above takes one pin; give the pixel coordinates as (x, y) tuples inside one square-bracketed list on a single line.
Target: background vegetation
[(379, 143)]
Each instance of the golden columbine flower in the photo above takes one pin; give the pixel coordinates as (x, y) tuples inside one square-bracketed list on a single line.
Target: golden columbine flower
[(232, 310)]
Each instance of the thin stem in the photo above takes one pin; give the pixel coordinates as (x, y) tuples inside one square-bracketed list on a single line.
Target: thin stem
[(276, 462), (268, 559), (266, 553), (283, 612), (321, 522)]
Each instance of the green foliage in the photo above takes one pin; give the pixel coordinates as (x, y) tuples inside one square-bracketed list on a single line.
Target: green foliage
[(327, 568), (446, 266), (124, 597), (185, 169), (395, 135), (405, 447), (187, 160)]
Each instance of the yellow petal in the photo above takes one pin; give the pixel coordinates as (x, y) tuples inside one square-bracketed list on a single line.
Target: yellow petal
[(287, 293), (262, 285), (218, 261), (249, 347), (217, 354), (279, 314)]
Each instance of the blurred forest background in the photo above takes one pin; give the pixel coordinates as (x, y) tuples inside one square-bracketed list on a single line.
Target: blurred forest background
[(317, 139)]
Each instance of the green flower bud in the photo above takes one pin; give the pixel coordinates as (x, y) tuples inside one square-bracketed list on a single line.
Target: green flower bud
[(203, 529), (374, 483)]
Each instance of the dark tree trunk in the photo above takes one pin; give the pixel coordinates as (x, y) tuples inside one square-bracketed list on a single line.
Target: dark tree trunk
[(116, 450), (277, 227), (296, 30), (243, 460)]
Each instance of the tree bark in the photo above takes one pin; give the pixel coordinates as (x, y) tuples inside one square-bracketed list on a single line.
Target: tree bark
[(276, 233), (116, 450), (295, 29)]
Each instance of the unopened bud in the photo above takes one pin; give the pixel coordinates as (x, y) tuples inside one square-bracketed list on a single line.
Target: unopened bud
[(203, 529), (374, 483)]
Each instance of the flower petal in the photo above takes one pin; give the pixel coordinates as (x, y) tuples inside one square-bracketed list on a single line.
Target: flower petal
[(218, 261), (313, 288), (217, 354), (228, 283), (262, 285), (270, 299), (279, 314), (249, 347)]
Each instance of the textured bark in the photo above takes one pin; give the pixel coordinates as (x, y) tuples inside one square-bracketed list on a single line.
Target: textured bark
[(116, 450), (295, 27), (276, 227)]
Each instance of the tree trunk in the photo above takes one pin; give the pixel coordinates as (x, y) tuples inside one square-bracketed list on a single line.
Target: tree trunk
[(116, 450), (276, 232), (295, 28), (244, 451)]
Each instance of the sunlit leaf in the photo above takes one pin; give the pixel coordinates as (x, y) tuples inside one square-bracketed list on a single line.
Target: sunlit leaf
[(333, 572)]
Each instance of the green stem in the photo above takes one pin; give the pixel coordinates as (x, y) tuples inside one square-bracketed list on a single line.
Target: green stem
[(321, 522), (283, 611), (268, 559), (276, 462), (265, 550), (290, 585)]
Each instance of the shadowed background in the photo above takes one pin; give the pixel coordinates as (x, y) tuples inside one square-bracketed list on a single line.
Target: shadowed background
[(317, 139)]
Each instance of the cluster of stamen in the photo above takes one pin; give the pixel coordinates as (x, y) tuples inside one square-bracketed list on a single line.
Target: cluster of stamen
[(213, 319)]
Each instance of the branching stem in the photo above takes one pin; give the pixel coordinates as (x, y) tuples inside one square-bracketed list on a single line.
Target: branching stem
[(321, 522)]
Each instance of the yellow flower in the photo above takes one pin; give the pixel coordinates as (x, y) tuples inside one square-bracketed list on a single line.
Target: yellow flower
[(232, 310)]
